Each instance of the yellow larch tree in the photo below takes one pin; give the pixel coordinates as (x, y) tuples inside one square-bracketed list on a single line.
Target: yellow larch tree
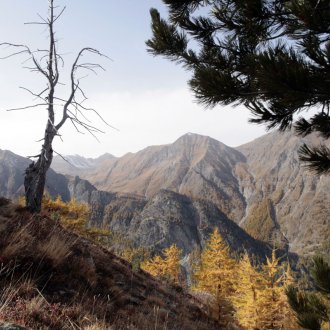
[(216, 274), (74, 215), (246, 295), (167, 267), (275, 312)]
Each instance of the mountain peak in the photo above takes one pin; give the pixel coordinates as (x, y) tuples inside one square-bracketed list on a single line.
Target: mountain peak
[(194, 137)]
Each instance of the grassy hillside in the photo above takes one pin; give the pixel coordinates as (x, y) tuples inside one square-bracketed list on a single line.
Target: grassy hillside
[(51, 278)]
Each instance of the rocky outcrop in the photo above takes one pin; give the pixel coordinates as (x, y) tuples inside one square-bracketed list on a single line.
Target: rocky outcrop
[(169, 218), (299, 198)]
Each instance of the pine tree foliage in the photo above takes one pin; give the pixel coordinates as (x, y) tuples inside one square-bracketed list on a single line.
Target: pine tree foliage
[(321, 275), (312, 310), (216, 274), (167, 267), (271, 56)]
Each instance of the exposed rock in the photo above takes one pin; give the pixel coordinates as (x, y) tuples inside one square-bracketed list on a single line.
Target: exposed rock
[(194, 165), (300, 198), (261, 186), (80, 189), (10, 326), (170, 218), (239, 182)]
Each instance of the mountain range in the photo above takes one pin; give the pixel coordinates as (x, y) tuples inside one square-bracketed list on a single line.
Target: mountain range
[(257, 194)]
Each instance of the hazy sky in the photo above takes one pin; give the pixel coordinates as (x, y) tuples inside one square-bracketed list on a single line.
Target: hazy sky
[(146, 98)]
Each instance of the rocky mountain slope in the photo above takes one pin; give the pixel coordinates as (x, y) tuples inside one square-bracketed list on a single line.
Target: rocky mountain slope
[(194, 165), (169, 218), (297, 200), (155, 223), (169, 194), (261, 185)]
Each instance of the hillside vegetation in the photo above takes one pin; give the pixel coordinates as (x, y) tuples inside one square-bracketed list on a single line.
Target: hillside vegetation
[(52, 278)]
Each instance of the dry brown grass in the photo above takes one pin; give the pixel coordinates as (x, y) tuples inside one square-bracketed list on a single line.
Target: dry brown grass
[(54, 279), (57, 247), (17, 242), (98, 326)]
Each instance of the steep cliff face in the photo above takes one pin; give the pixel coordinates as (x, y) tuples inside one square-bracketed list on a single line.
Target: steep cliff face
[(169, 218), (299, 198)]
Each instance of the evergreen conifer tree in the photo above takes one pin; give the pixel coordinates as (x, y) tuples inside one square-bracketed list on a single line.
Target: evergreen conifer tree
[(311, 310), (271, 56)]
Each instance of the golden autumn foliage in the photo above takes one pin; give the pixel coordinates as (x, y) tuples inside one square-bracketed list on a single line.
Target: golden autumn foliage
[(215, 274), (259, 299), (254, 297), (246, 294), (73, 216), (275, 312), (167, 267), (134, 255)]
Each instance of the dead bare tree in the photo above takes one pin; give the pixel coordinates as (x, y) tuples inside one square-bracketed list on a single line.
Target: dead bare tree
[(46, 62)]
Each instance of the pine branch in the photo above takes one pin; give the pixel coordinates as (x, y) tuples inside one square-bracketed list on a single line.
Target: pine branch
[(319, 123), (321, 275), (309, 309), (317, 159), (167, 40)]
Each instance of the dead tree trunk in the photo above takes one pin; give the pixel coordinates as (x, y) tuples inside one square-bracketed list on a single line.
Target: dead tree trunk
[(35, 174), (47, 64)]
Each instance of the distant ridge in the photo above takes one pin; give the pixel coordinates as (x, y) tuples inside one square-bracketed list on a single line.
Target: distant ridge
[(75, 164), (260, 185)]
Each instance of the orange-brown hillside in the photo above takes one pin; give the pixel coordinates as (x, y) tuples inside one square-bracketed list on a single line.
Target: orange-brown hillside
[(51, 278)]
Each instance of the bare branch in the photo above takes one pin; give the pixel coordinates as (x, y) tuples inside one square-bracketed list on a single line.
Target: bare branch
[(35, 23), (96, 112), (60, 14), (28, 107), (26, 49), (42, 18), (34, 94), (61, 156), (73, 123)]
